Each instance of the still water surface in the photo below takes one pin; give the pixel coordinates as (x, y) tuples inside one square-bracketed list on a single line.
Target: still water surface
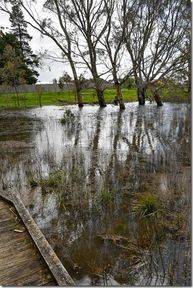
[(84, 182)]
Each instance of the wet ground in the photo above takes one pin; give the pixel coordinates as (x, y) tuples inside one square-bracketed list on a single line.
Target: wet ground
[(110, 189)]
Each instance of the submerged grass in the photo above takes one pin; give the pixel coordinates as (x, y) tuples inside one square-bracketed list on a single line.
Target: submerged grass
[(105, 197), (147, 205), (54, 180), (33, 182)]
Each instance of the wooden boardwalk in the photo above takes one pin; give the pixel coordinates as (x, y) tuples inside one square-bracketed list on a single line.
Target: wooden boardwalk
[(21, 264)]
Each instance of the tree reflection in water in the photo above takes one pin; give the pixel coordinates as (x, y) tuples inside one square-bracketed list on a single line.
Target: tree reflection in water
[(88, 181)]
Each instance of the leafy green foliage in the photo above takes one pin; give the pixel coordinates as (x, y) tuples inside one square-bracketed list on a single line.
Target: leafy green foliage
[(12, 72), (10, 42)]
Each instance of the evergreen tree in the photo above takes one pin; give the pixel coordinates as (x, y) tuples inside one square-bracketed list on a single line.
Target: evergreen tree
[(19, 30), (11, 41), (12, 73), (7, 40)]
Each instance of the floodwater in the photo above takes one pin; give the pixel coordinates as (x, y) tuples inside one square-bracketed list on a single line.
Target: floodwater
[(109, 189)]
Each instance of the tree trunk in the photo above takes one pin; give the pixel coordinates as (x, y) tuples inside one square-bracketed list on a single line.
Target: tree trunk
[(189, 78), (101, 99), (99, 89), (77, 85), (119, 97), (17, 95), (141, 95), (78, 95), (157, 98), (116, 100), (189, 88)]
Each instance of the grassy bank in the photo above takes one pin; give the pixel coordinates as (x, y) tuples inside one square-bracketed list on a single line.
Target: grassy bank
[(59, 98), (27, 100)]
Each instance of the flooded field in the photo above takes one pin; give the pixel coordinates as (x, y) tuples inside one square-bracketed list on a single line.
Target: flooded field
[(110, 190)]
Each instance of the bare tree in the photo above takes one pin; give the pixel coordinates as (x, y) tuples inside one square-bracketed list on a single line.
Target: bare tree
[(89, 19), (112, 42), (185, 49), (60, 33), (153, 33)]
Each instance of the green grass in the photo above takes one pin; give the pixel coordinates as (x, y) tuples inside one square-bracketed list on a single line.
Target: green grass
[(27, 100), (175, 94)]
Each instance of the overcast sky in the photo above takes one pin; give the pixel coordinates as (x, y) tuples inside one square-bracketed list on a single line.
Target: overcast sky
[(49, 70)]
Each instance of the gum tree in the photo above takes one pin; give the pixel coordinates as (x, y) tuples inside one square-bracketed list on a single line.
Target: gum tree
[(153, 32), (112, 41), (90, 21)]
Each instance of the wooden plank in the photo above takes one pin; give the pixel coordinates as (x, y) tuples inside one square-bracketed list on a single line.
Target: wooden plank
[(59, 272), (29, 272), (6, 196), (21, 264)]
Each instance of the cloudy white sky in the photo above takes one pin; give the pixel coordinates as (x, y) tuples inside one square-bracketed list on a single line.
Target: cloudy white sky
[(49, 70)]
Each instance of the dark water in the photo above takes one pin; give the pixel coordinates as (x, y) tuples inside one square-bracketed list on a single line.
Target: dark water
[(84, 182)]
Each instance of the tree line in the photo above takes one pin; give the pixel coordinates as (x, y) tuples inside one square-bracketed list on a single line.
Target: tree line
[(148, 40)]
